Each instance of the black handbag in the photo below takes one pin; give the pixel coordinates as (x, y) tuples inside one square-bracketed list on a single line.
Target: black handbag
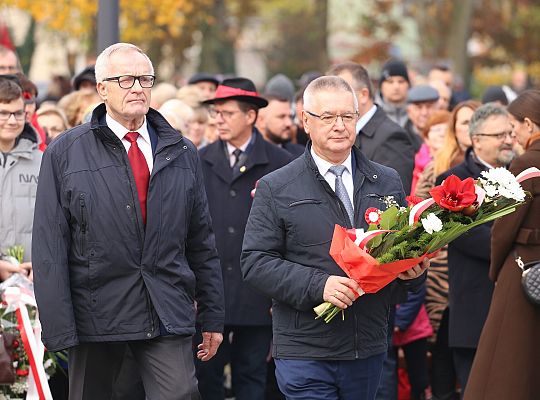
[(530, 280)]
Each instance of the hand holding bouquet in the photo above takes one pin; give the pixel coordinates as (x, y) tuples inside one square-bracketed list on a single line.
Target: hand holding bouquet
[(399, 238)]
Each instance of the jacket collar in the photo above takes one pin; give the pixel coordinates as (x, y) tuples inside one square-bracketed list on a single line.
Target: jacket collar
[(167, 136), (372, 125)]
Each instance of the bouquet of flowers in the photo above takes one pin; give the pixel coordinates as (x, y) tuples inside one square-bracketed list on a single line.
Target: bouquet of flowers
[(33, 365), (400, 237)]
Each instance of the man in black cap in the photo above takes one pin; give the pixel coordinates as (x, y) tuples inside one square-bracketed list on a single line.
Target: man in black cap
[(394, 84), (232, 166), (206, 83)]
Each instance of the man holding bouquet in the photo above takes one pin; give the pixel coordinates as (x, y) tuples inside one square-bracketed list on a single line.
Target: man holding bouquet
[(286, 254)]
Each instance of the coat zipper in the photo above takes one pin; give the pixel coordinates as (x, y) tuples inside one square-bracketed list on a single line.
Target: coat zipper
[(83, 224)]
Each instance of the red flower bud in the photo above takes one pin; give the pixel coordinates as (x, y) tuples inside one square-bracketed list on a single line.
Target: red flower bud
[(22, 372), (15, 343)]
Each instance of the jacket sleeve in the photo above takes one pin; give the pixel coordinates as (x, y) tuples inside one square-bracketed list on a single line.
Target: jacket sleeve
[(203, 259), (407, 312), (50, 251), (263, 260)]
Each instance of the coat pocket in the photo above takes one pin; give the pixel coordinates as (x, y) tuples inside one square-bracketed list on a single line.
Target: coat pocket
[(311, 222)]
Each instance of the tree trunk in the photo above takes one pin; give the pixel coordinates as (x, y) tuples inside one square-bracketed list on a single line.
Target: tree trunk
[(459, 34), (217, 52)]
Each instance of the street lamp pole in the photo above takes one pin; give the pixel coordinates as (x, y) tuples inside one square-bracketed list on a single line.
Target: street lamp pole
[(107, 27)]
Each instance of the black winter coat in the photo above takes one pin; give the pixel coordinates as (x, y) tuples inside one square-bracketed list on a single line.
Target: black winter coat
[(229, 199), (469, 286), (286, 255), (385, 142), (99, 274)]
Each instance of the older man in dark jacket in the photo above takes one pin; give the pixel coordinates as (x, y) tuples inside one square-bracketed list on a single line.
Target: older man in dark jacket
[(286, 254), (232, 166), (469, 286), (126, 250)]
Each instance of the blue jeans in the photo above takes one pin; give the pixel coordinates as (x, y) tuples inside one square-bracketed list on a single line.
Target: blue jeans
[(329, 380)]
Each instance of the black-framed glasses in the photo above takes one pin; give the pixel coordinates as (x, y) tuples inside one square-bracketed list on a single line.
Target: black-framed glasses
[(127, 81), (5, 115), (330, 119), (499, 135)]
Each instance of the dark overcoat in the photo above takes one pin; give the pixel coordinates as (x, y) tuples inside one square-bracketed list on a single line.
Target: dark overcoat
[(469, 286), (100, 274), (385, 142), (506, 363), (229, 198)]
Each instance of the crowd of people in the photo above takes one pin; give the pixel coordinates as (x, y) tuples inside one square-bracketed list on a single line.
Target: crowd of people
[(178, 237)]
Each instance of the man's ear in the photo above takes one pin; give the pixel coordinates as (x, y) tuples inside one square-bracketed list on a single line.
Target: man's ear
[(260, 124), (305, 121), (102, 90)]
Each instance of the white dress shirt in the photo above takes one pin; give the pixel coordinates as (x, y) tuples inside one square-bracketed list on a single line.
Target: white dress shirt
[(364, 119), (347, 178), (143, 141)]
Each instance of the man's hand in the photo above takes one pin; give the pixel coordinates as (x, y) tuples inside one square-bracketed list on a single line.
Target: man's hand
[(209, 345), (7, 269), (341, 291), (415, 271)]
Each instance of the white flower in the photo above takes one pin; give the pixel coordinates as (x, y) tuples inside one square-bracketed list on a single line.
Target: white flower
[(432, 223), (47, 363), (491, 190), (501, 182)]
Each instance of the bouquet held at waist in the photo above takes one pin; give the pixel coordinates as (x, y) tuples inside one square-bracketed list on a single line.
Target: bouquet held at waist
[(399, 238)]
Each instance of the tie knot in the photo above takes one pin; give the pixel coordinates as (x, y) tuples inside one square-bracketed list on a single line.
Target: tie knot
[(337, 170), (131, 136), (237, 152)]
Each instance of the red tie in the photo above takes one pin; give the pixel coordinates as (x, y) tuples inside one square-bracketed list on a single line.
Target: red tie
[(140, 170)]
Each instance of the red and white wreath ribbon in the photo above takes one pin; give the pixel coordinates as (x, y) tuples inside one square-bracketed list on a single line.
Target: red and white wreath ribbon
[(361, 238), (18, 298)]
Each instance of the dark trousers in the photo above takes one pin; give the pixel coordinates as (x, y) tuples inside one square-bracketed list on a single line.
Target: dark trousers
[(246, 349), (417, 366), (329, 380), (463, 359), (443, 375), (165, 365)]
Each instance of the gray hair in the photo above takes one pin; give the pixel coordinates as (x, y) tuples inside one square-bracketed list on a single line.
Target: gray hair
[(482, 113), (325, 83), (102, 61)]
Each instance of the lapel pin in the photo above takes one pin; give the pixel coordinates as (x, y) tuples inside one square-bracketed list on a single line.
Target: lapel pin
[(243, 168)]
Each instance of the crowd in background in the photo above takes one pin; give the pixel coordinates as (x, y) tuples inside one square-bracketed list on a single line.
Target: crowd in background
[(422, 125)]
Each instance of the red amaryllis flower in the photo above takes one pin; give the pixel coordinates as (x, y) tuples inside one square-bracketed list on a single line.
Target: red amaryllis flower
[(413, 200), (373, 216), (454, 194)]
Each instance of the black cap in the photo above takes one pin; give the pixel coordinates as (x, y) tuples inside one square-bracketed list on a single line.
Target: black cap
[(493, 94), (394, 68), (203, 77), (86, 75)]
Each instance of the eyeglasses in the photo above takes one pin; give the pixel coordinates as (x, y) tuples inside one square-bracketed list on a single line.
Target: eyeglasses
[(330, 119), (225, 114), (127, 81), (5, 115), (498, 136)]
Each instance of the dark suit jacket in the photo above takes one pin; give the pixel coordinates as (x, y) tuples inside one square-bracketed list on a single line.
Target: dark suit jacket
[(295, 149), (385, 142), (229, 199), (470, 288)]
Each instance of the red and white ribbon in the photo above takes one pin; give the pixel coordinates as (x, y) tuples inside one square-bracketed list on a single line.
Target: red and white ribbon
[(418, 209), (18, 298), (531, 172), (361, 238)]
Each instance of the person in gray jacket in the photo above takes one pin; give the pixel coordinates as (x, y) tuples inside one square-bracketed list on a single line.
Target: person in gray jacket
[(19, 168), (285, 254)]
